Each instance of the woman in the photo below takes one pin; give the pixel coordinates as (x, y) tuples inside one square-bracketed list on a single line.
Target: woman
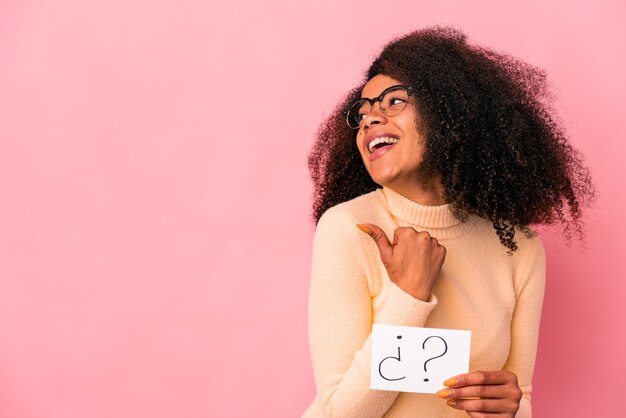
[(443, 157)]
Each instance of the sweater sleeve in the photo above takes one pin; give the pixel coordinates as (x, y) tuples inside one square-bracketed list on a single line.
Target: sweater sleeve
[(530, 287), (340, 318)]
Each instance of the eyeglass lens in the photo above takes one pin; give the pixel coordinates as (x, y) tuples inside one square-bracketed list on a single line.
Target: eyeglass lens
[(392, 101)]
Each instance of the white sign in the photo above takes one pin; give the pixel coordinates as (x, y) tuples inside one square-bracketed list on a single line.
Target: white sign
[(411, 359)]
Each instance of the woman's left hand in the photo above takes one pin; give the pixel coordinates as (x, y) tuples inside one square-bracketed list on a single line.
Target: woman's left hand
[(482, 394)]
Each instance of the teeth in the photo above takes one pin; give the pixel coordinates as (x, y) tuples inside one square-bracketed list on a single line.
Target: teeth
[(381, 140)]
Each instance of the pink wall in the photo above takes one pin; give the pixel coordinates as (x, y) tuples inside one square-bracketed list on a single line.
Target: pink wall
[(154, 197)]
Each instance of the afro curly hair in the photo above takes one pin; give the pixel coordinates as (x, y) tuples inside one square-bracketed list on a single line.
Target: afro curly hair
[(492, 137)]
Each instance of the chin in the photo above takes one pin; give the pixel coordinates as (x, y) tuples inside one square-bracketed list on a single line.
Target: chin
[(383, 178)]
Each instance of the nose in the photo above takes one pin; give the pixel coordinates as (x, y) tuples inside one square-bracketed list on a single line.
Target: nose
[(375, 117)]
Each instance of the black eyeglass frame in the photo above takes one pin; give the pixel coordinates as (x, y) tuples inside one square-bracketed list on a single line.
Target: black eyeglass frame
[(409, 92)]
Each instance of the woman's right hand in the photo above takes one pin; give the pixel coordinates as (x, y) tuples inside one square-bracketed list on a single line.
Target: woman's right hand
[(413, 260)]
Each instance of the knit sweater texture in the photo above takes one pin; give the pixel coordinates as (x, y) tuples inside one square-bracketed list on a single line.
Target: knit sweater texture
[(480, 288)]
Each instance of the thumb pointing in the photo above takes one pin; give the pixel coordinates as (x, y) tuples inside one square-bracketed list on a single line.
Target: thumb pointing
[(380, 238)]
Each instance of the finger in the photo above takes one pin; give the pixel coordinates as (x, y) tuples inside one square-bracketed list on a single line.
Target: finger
[(480, 391), (500, 377), (441, 255), (487, 415), (395, 237), (484, 405), (380, 238)]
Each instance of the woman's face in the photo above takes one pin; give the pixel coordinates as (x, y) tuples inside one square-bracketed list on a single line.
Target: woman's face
[(394, 162)]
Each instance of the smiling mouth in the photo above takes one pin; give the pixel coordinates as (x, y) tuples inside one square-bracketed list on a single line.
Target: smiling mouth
[(381, 142)]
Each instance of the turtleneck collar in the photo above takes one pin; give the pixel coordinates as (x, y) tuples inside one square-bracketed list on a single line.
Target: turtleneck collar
[(437, 220)]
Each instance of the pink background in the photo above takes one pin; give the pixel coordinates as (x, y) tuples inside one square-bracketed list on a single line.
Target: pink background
[(154, 197)]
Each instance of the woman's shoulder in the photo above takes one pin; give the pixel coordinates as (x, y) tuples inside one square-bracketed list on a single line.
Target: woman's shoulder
[(336, 233), (529, 248), (366, 207)]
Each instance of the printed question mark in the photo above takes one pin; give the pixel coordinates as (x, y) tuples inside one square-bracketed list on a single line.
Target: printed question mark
[(432, 358), (398, 359)]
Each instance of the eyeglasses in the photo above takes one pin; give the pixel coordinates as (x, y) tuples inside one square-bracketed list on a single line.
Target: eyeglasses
[(392, 101)]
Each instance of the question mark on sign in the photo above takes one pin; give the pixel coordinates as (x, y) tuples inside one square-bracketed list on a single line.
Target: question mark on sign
[(398, 359), (445, 350)]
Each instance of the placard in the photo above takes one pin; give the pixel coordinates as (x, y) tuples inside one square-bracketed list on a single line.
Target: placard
[(412, 359)]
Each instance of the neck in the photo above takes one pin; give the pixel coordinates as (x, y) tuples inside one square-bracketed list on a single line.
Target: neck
[(428, 194)]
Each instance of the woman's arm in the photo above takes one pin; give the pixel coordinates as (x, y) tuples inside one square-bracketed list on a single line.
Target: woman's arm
[(530, 286), (507, 392), (340, 317)]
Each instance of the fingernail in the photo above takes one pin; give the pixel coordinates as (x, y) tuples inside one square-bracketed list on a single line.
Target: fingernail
[(450, 382), (443, 393), (363, 228)]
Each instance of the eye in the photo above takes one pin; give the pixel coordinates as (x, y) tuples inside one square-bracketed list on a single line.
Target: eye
[(393, 101), (363, 110)]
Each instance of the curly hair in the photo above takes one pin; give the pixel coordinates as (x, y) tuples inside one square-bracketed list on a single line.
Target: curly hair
[(492, 137)]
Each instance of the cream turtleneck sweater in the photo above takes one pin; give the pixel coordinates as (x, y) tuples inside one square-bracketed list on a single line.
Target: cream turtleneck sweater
[(481, 288)]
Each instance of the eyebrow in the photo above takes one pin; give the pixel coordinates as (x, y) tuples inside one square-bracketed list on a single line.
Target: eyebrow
[(383, 90)]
